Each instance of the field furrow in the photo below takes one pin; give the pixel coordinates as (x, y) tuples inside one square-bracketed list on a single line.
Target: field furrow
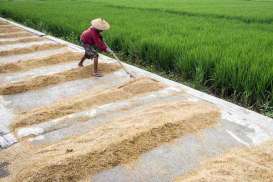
[(51, 79), (10, 30), (39, 62), (21, 40), (15, 35), (85, 101), (119, 141), (233, 166), (30, 49)]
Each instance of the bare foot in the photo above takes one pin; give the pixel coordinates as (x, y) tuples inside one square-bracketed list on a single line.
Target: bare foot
[(80, 65), (97, 74)]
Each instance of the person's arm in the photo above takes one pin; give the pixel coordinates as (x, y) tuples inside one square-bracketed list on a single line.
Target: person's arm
[(99, 43), (108, 48)]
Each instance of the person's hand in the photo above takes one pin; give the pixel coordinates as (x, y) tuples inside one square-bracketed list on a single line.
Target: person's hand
[(109, 50)]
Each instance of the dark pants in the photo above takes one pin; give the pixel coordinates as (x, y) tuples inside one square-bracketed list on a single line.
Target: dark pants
[(90, 51)]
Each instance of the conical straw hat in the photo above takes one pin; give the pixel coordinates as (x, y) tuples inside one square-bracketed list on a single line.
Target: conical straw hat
[(100, 24)]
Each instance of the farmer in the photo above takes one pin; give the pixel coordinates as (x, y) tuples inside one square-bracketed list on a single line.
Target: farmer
[(92, 41)]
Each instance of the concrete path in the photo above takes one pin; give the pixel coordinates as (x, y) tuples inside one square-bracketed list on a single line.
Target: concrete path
[(162, 129)]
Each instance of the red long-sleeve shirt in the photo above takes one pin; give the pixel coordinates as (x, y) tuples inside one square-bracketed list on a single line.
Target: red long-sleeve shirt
[(93, 37)]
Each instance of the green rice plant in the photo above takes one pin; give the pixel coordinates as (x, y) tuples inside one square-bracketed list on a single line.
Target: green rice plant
[(226, 45)]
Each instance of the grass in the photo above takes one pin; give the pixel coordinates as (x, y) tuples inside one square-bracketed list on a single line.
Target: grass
[(259, 11), (225, 46)]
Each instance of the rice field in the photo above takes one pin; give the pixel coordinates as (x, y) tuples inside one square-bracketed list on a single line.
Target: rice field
[(226, 46), (61, 123)]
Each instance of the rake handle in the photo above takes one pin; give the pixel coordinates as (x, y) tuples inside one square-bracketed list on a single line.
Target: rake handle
[(118, 60)]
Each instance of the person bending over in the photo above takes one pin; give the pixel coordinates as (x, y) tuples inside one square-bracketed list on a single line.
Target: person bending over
[(92, 41)]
